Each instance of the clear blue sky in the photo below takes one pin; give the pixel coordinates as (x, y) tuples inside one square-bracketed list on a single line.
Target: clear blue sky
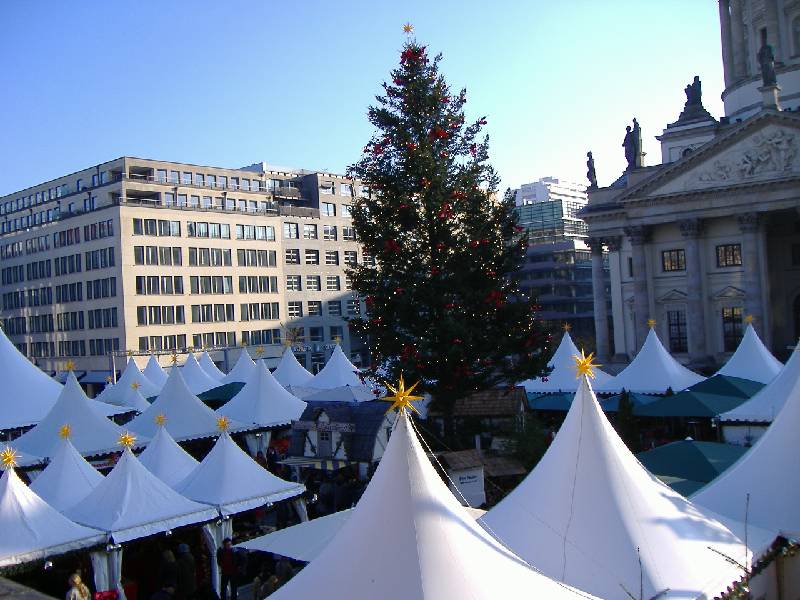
[(234, 82)]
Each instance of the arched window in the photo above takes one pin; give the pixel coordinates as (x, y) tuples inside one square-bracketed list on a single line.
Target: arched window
[(796, 35)]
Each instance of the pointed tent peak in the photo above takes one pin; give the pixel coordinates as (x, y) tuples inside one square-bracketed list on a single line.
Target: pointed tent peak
[(565, 351), (337, 372), (209, 367), (290, 371), (263, 401), (409, 537), (752, 360), (196, 378), (241, 370), (154, 372), (115, 394), (563, 378), (652, 371), (131, 502), (231, 480), (165, 459), (133, 399), (589, 512), (67, 479)]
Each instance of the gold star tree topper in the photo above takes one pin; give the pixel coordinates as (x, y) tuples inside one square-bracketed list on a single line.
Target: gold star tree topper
[(65, 431), (585, 365), (223, 424), (401, 397), (8, 457), (160, 419), (127, 440)]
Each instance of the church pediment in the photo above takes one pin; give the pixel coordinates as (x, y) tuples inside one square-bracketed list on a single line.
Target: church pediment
[(672, 296), (767, 148), (728, 293)]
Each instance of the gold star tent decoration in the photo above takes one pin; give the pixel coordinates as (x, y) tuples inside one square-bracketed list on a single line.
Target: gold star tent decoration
[(127, 440), (401, 397), (8, 457), (223, 423), (408, 29), (160, 419), (585, 365), (65, 431), (109, 379), (129, 353), (174, 357), (259, 351), (69, 366), (748, 319), (136, 385), (566, 327), (651, 323)]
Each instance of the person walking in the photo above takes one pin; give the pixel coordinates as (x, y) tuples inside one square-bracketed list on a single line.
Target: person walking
[(229, 574), (187, 574)]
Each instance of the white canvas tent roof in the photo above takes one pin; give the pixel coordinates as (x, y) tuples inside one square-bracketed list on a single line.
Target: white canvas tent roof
[(241, 370), (752, 360), (306, 540), (197, 380), (91, 433), (408, 538), (154, 372), (767, 473), (589, 512), (134, 400), (186, 416), (132, 503), (28, 393), (210, 368), (32, 529), (165, 459), (67, 479), (562, 377), (115, 394), (337, 372), (769, 400), (229, 479), (290, 372), (652, 371), (263, 401)]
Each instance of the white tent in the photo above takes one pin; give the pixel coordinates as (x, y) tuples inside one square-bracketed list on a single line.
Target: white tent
[(165, 459), (154, 372), (263, 401), (241, 370), (210, 368), (28, 393), (592, 516), (186, 416), (562, 377), (67, 479), (91, 433), (132, 503), (197, 380), (652, 372), (290, 372), (337, 372), (115, 394), (306, 540), (752, 360), (229, 479), (410, 539), (32, 529), (767, 403), (134, 400), (768, 474)]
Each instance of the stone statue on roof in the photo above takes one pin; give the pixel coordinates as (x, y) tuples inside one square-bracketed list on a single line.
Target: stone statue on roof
[(766, 58), (694, 93)]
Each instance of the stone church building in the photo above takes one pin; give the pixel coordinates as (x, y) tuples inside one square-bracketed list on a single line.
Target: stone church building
[(710, 239)]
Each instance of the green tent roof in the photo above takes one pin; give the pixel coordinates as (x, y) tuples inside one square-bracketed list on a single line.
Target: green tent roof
[(686, 466), (556, 401), (724, 385), (688, 404), (611, 404)]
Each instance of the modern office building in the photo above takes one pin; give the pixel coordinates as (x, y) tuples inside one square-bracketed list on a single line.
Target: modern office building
[(558, 269), (710, 238), (145, 255)]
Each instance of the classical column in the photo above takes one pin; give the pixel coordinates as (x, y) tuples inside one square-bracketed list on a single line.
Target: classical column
[(737, 41), (725, 34), (749, 224), (638, 236), (695, 317), (600, 300)]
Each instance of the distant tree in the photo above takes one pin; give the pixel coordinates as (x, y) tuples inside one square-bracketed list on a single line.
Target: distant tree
[(627, 427)]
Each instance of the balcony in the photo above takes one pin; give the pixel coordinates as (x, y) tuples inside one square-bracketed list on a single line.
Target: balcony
[(278, 192)]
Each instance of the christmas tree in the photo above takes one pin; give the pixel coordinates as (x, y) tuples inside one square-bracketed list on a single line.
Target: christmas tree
[(443, 302)]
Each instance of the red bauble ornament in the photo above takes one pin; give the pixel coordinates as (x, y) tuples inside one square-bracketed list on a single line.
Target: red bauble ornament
[(441, 246), (473, 149), (425, 182)]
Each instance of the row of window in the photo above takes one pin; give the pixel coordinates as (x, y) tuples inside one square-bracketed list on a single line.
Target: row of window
[(32, 297), (732, 329), (222, 182), (157, 255), (209, 257), (98, 231), (219, 203), (294, 308), (728, 255), (291, 231), (160, 315), (167, 342), (157, 227)]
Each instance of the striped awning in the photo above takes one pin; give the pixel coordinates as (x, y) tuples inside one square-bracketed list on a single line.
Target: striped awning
[(323, 464)]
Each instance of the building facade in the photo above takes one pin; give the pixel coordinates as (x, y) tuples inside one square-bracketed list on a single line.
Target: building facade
[(558, 269), (145, 255), (710, 238)]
